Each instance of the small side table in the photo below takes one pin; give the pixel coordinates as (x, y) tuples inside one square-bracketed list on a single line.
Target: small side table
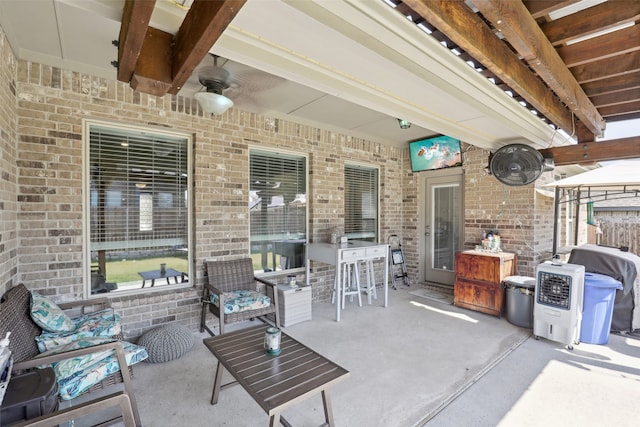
[(294, 303)]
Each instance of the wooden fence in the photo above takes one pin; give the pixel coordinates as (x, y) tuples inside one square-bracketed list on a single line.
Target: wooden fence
[(620, 230)]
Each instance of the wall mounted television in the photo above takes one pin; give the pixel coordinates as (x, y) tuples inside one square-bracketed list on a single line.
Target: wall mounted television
[(433, 153)]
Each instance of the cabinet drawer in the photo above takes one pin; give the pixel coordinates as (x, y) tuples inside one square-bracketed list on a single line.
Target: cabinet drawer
[(376, 252), (353, 254)]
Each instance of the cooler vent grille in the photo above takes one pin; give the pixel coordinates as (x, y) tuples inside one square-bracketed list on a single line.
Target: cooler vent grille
[(554, 290)]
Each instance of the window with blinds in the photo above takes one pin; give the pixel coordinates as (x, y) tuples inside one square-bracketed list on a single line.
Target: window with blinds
[(361, 202), (277, 210), (137, 181)]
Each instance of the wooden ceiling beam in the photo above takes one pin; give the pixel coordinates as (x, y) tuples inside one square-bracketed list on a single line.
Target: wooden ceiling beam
[(620, 109), (156, 62), (613, 84), (518, 27), (466, 29), (613, 98), (590, 152), (607, 68), (630, 116), (591, 20), (541, 8), (203, 25), (601, 47), (152, 74), (135, 21)]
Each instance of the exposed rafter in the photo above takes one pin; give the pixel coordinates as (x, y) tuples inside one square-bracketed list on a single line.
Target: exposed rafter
[(591, 152), (466, 29), (519, 28), (602, 47), (135, 21), (590, 21), (156, 62), (541, 8)]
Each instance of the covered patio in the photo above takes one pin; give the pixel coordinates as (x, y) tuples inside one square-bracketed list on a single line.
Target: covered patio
[(417, 362)]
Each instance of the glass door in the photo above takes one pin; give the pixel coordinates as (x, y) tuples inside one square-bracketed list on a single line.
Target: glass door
[(443, 224)]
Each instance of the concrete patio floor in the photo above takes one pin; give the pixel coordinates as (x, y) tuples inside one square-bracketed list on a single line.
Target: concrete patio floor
[(418, 362)]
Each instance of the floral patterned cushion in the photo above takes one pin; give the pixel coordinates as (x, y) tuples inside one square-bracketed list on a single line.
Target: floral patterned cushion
[(104, 323), (78, 374), (46, 314), (238, 301)]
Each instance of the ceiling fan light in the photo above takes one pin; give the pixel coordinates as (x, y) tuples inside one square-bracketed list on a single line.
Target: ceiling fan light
[(213, 102)]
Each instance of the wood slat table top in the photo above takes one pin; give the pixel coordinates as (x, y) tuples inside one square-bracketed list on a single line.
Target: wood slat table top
[(274, 381)]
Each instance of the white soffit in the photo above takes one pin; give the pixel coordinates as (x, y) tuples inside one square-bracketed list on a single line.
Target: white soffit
[(401, 71)]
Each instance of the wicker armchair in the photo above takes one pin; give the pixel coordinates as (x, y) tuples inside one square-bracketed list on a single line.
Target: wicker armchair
[(224, 288), (15, 317)]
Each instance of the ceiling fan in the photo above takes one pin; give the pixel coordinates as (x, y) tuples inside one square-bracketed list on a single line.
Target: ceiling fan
[(231, 83), (214, 80)]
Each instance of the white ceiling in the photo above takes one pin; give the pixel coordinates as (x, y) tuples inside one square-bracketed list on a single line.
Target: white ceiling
[(352, 66)]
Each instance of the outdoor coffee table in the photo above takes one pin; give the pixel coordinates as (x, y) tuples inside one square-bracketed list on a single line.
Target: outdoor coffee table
[(275, 382), (158, 274)]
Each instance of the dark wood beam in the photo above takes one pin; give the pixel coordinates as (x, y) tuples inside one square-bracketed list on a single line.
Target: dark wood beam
[(630, 116), (614, 84), (591, 20), (153, 68), (601, 47), (620, 109), (135, 21), (203, 25), (616, 98), (616, 66), (540, 8), (473, 35), (156, 62), (517, 26), (590, 152)]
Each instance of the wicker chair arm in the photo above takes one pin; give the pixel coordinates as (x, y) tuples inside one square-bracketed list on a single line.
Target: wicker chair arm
[(266, 282), (46, 360), (214, 290), (274, 291)]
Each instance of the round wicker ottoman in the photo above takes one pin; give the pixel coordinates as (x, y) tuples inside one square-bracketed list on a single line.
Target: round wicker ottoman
[(166, 342)]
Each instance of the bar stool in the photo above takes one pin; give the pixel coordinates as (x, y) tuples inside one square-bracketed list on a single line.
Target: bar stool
[(370, 288), (350, 283)]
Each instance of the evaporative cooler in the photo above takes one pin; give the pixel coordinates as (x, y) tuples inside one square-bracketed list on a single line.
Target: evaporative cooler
[(557, 310)]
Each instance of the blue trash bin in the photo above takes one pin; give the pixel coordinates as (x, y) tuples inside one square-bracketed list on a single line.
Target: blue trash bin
[(597, 309)]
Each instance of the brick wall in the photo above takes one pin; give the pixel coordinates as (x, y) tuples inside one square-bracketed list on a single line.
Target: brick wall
[(8, 186), (51, 103), (41, 203), (522, 215)]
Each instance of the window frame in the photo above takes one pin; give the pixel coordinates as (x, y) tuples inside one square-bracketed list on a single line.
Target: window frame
[(87, 124), (372, 168), (274, 152)]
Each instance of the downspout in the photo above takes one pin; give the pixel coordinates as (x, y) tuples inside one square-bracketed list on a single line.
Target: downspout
[(556, 215), (575, 225)]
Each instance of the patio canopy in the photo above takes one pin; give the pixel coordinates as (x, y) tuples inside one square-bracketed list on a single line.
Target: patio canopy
[(615, 181), (618, 176)]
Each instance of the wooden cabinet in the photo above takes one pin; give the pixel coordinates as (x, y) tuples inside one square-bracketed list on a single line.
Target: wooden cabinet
[(479, 276)]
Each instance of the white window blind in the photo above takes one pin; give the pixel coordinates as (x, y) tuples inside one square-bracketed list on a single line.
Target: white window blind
[(277, 206), (361, 202), (137, 184)]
